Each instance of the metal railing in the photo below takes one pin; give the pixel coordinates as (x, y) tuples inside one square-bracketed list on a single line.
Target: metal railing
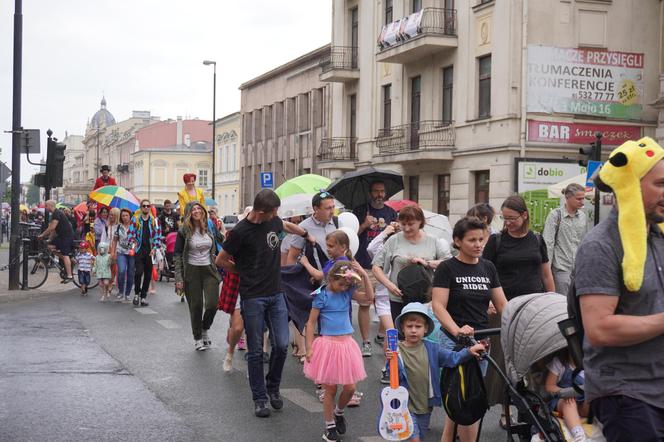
[(433, 21), (339, 57), (415, 136), (338, 149)]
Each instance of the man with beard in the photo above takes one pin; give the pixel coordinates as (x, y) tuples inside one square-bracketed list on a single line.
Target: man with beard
[(374, 218), (619, 279), (168, 219)]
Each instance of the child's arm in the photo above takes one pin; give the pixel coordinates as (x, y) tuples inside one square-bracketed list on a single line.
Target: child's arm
[(551, 383), (368, 287), (309, 331), (450, 359), (313, 271)]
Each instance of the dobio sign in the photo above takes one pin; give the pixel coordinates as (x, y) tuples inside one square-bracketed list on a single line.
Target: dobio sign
[(576, 133), (585, 81), (538, 174)]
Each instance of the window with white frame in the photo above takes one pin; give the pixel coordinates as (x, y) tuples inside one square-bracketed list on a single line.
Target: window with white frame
[(203, 177)]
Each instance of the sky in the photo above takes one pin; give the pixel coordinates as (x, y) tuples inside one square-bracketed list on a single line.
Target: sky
[(145, 55)]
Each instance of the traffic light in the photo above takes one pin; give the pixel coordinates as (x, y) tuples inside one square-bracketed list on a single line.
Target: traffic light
[(40, 179), (592, 153), (55, 159)]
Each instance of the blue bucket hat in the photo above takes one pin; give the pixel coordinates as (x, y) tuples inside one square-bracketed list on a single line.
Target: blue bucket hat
[(415, 307)]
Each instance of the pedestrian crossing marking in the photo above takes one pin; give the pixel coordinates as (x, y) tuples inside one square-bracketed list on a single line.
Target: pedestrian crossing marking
[(302, 399), (145, 311), (168, 324)]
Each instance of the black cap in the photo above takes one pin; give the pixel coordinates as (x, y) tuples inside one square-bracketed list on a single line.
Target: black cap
[(105, 167)]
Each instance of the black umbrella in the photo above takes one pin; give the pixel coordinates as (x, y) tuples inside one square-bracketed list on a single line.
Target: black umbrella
[(352, 189)]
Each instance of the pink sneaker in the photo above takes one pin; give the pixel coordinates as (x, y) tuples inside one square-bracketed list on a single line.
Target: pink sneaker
[(241, 345)]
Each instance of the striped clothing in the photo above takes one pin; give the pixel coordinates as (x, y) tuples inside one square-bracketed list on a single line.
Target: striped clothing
[(84, 261)]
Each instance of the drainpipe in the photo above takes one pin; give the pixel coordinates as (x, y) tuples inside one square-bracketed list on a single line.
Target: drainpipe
[(524, 78)]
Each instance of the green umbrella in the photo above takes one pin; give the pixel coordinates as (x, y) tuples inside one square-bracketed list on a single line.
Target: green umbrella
[(309, 184)]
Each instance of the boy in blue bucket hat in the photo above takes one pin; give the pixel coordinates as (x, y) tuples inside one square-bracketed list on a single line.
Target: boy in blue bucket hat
[(420, 363)]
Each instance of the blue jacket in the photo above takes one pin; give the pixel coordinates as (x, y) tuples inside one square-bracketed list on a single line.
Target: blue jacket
[(439, 358)]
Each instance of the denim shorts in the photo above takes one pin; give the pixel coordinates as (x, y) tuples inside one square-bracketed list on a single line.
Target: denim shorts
[(421, 423), (449, 344)]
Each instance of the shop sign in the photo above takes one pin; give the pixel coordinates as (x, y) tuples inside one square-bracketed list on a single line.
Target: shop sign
[(580, 133)]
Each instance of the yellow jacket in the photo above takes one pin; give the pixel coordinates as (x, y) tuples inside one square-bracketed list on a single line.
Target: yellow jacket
[(184, 198)]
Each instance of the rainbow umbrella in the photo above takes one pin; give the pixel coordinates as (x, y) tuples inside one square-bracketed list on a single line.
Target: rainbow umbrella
[(115, 196)]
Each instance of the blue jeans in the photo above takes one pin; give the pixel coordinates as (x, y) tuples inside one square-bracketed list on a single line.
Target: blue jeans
[(125, 274), (256, 313), (421, 423)]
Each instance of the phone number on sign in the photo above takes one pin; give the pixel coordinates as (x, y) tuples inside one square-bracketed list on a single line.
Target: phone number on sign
[(593, 95)]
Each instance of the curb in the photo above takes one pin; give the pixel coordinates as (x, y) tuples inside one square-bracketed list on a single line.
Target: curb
[(24, 295)]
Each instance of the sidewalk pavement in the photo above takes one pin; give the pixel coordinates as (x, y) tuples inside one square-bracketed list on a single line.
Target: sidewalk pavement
[(52, 286)]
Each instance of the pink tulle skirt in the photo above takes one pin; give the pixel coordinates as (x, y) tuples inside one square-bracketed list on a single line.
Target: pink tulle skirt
[(336, 360)]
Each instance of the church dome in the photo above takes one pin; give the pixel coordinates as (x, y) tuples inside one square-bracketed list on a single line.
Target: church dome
[(102, 117)]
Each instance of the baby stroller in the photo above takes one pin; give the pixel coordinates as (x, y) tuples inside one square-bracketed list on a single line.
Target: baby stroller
[(530, 336), (168, 270)]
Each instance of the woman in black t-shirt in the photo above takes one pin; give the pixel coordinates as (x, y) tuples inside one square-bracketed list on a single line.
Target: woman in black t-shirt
[(521, 258), (462, 289)]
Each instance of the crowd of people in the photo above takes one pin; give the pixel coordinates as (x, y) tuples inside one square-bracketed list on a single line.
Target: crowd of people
[(432, 291)]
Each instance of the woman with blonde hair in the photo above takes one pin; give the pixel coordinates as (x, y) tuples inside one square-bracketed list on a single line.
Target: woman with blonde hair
[(196, 273)]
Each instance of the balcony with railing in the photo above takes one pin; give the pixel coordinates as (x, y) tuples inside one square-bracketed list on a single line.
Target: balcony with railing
[(337, 150), (340, 65), (423, 33), (424, 140)]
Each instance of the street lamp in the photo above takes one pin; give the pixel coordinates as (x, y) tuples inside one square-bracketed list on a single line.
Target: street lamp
[(214, 119)]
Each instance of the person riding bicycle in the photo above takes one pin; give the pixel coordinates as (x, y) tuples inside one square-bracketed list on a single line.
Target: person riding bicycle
[(63, 241)]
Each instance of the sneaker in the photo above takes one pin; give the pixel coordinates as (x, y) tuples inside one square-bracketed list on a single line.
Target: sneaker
[(228, 362), (126, 300), (136, 300), (384, 377), (198, 345), (331, 435), (241, 345), (119, 298), (181, 298), (340, 422), (261, 410), (366, 349), (275, 400), (144, 302), (379, 340), (206, 339)]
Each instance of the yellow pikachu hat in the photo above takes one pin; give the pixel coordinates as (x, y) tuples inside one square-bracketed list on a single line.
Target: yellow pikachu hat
[(622, 174)]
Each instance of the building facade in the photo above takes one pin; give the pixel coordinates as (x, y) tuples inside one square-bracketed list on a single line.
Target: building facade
[(284, 120), (74, 181), (227, 170), (455, 91), (164, 152)]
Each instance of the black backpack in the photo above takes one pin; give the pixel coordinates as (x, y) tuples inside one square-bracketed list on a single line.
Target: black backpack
[(414, 281), (463, 392), (572, 327)]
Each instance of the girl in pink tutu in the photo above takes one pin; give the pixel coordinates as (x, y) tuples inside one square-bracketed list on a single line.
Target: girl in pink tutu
[(334, 358)]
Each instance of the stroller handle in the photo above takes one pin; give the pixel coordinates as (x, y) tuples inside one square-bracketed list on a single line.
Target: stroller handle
[(481, 334)]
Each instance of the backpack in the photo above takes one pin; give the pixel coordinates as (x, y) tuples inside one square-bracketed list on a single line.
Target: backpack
[(572, 327), (463, 392), (414, 281)]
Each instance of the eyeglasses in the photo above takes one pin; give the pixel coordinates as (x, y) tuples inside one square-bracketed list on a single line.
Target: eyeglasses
[(509, 219), (145, 205)]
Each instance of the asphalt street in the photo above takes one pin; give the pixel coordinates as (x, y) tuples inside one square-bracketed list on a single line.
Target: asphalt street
[(74, 369)]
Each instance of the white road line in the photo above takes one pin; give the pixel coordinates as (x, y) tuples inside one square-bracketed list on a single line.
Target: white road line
[(145, 311), (168, 324), (303, 399)]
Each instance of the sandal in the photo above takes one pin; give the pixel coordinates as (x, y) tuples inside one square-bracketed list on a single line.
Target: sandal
[(355, 400)]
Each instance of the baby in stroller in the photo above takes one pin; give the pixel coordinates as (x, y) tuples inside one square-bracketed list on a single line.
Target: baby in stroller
[(168, 271)]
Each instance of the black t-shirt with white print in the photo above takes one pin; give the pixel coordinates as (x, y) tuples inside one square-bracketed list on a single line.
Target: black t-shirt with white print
[(257, 254), (470, 290)]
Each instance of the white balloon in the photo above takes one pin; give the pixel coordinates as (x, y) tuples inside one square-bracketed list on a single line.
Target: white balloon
[(348, 219), (353, 239)]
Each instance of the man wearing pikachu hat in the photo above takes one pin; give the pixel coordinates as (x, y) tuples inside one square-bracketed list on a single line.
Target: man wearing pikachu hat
[(619, 278)]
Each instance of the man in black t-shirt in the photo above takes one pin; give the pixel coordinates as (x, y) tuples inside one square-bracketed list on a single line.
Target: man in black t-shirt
[(168, 219), (253, 251), (64, 236)]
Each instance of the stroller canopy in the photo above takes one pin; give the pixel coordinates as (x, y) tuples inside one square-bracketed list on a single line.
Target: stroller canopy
[(529, 331)]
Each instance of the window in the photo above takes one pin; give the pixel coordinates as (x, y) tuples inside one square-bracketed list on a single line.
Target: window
[(268, 123), (354, 25), (387, 106), (414, 188), (448, 82), (482, 186), (318, 116), (248, 134), (290, 115), (203, 177), (484, 87), (258, 125), (279, 123), (304, 112), (234, 158), (444, 194), (417, 5), (388, 12)]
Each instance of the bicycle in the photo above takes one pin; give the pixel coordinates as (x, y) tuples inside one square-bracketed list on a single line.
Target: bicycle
[(38, 266)]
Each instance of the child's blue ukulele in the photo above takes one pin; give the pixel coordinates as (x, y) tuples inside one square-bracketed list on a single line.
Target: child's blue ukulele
[(395, 422)]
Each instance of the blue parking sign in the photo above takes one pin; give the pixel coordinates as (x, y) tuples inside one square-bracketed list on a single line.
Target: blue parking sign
[(592, 167), (267, 180)]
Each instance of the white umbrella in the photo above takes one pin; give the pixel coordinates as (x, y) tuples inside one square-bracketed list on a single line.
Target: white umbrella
[(556, 190), (438, 226), (299, 205)]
